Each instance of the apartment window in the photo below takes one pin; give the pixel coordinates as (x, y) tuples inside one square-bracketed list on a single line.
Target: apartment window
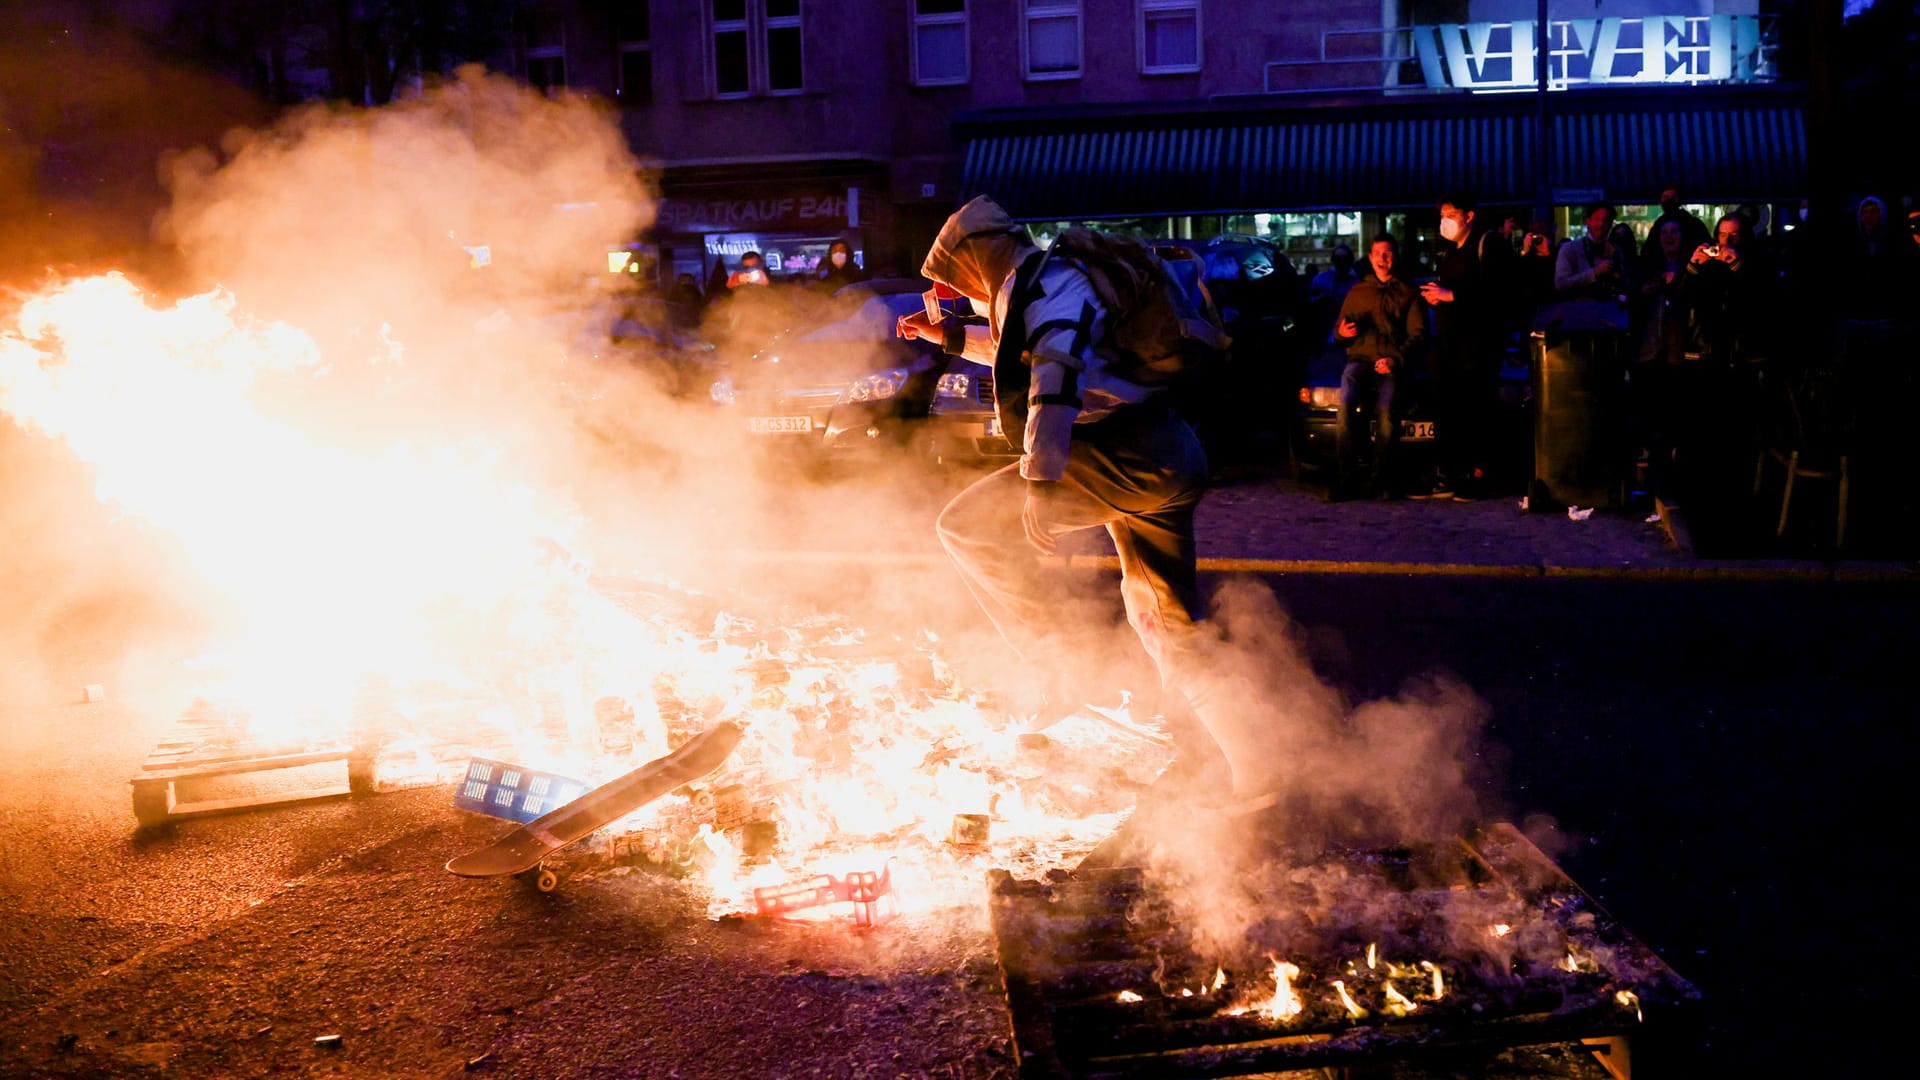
[(1169, 35), (757, 47), (939, 46), (632, 31), (1051, 44), (546, 50)]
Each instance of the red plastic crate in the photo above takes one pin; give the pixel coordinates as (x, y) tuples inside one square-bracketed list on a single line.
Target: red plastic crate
[(868, 895)]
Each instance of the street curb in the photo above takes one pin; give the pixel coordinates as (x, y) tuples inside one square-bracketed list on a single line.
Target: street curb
[(1890, 574)]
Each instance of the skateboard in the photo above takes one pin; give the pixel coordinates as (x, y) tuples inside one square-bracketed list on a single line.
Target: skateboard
[(526, 847)]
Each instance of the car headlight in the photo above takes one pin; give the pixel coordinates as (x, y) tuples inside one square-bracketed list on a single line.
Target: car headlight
[(721, 391), (1322, 397), (878, 386), (957, 384)]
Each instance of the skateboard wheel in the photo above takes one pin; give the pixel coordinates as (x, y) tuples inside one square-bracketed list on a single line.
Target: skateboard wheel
[(546, 880)]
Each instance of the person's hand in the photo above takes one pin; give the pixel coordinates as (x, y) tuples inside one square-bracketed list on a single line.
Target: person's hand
[(1603, 268), (1435, 293), (916, 325), (1728, 254), (1701, 254), (1347, 328), (1382, 366), (1033, 519)]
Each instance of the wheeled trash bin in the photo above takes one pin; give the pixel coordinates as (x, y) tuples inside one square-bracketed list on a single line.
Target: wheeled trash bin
[(1579, 421)]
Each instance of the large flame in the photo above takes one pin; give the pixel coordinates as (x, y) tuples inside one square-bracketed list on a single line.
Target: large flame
[(378, 580)]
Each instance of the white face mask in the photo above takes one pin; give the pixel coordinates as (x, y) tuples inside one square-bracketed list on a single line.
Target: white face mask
[(839, 258), (1449, 229)]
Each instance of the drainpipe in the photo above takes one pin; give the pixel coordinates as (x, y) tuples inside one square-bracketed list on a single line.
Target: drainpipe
[(1390, 26), (1542, 143)]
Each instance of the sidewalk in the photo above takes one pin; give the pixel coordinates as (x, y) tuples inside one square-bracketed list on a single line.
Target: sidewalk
[(1275, 525)]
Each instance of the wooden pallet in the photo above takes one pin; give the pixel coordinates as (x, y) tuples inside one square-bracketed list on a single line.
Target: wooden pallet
[(157, 793), (1068, 946)]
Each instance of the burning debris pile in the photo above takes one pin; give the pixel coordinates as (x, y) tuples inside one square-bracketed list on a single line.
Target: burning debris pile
[(1359, 955)]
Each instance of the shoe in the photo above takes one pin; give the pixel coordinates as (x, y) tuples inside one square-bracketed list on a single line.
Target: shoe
[(1435, 489)]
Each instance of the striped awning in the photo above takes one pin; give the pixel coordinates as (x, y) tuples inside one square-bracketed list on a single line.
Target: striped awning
[(1721, 148)]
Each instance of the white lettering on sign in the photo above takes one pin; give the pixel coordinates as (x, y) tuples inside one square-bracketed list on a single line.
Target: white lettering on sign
[(1651, 50), (740, 215)]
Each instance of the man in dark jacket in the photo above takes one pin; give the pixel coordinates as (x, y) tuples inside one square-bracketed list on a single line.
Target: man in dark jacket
[(1474, 300), (1382, 320)]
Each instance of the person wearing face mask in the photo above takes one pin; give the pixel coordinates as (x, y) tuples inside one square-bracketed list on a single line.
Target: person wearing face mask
[(839, 268), (1098, 451), (1693, 231), (1476, 301)]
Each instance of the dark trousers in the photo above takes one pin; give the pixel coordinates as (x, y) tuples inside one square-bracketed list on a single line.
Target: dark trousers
[(1140, 473), (1466, 391), (1358, 383)]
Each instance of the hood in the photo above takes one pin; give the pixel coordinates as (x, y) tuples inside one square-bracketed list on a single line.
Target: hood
[(976, 249)]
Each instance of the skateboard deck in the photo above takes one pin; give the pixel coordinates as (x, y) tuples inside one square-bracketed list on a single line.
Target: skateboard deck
[(523, 848)]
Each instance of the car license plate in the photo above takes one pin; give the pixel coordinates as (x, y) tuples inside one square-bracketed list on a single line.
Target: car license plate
[(778, 425), (993, 426), (1416, 431)]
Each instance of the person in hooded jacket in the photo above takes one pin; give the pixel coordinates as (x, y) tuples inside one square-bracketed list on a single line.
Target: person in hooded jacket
[(1880, 266), (1097, 450)]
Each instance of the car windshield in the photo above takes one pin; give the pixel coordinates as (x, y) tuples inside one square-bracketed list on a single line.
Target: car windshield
[(873, 320)]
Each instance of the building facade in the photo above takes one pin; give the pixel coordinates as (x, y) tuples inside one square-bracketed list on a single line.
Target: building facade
[(781, 125)]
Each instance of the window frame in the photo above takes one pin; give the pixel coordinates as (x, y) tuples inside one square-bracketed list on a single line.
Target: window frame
[(916, 21), (1143, 8), (757, 25), (529, 52), (624, 47), (1052, 9), (768, 24)]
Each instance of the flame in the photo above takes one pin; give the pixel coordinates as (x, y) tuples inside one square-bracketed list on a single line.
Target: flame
[(426, 580), (1627, 999), (1373, 955), (1439, 985), (1354, 1011), (1128, 997), (1285, 1003), (1398, 1004), (1500, 929)]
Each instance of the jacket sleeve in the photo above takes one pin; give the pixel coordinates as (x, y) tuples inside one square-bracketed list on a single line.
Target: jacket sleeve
[(1364, 345), (1061, 328), (1570, 267), (979, 344)]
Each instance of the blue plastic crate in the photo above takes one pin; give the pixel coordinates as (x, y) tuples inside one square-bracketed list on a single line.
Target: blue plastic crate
[(514, 792)]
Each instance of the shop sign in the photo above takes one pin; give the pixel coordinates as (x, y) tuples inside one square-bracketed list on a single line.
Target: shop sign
[(827, 211), (1648, 50)]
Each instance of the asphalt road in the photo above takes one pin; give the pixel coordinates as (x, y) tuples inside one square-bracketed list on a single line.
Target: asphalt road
[(1723, 763)]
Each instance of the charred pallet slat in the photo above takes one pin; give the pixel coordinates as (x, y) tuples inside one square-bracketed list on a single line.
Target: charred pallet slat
[(1102, 981)]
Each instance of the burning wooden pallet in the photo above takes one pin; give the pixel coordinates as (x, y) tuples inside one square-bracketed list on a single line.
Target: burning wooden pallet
[(207, 746), (1102, 981)]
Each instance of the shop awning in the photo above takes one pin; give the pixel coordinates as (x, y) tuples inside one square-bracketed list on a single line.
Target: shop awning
[(1721, 147)]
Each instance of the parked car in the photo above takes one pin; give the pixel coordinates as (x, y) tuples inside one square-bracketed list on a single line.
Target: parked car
[(962, 427), (845, 384)]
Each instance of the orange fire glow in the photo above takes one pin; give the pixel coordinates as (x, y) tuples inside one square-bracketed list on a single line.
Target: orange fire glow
[(347, 564)]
